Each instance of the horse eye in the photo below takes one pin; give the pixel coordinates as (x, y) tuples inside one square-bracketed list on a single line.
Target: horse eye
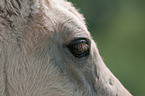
[(79, 48)]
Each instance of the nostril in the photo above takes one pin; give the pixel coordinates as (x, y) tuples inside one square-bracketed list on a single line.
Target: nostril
[(110, 82), (95, 71)]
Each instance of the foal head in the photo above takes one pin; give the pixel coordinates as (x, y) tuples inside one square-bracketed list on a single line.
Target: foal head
[(47, 50)]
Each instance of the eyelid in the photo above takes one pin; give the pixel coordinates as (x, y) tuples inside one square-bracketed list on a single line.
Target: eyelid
[(80, 38)]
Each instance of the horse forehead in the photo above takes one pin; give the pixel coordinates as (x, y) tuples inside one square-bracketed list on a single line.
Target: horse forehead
[(57, 21), (64, 15)]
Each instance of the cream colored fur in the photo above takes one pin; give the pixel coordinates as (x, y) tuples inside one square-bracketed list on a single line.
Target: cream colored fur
[(34, 60)]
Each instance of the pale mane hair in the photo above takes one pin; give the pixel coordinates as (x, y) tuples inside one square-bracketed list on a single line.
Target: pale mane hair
[(34, 60)]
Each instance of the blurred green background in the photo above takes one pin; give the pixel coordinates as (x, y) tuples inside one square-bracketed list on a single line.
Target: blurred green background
[(118, 27)]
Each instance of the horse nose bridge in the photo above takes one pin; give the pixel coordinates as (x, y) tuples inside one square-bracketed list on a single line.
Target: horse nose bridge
[(106, 84)]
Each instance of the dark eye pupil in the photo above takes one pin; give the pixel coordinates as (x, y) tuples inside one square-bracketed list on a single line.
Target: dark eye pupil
[(79, 48)]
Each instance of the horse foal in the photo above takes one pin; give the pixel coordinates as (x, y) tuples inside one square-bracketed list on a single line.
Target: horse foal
[(46, 50)]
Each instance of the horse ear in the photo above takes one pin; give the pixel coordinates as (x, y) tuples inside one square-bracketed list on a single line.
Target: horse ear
[(17, 7)]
